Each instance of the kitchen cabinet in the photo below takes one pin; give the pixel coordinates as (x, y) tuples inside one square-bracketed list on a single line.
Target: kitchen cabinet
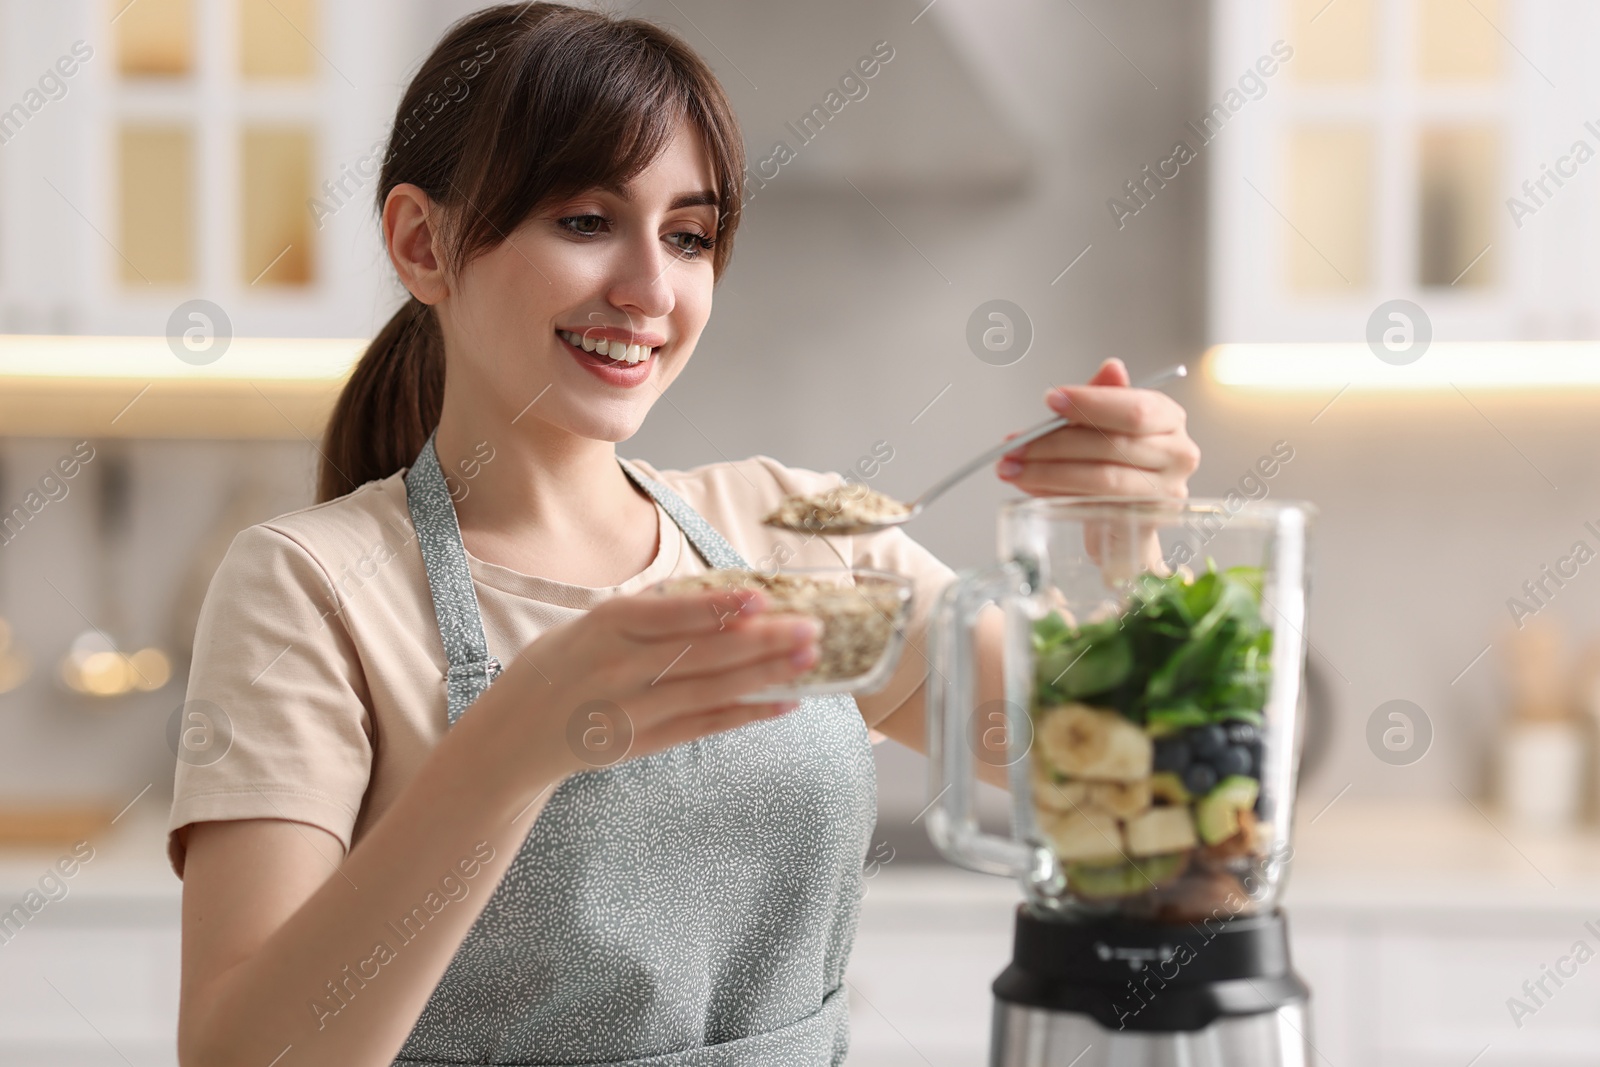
[(1416, 924), (91, 977)]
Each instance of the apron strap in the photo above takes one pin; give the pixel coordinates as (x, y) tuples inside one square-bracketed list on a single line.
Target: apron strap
[(711, 545), (455, 601)]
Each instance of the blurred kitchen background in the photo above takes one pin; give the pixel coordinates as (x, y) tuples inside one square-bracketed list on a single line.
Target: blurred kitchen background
[(189, 258)]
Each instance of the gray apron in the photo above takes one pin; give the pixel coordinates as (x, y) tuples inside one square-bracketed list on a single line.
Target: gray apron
[(692, 907)]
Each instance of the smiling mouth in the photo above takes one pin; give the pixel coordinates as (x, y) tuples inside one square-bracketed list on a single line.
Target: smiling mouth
[(615, 351)]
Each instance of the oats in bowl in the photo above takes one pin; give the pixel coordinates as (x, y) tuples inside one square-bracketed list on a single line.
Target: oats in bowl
[(840, 508), (863, 614)]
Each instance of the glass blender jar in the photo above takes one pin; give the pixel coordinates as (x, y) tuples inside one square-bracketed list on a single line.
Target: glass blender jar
[(1152, 672)]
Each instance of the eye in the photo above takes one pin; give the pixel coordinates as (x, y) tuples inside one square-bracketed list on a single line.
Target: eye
[(584, 225), (691, 244)]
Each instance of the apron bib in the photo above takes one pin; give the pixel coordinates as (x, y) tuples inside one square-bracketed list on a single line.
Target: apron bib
[(691, 908)]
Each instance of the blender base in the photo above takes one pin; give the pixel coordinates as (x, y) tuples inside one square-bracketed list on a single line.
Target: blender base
[(1038, 1037), (1114, 992)]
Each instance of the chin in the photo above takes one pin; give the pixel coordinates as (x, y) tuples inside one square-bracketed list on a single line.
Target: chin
[(610, 426)]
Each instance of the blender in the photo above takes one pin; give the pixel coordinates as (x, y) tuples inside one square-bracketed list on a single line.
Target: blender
[(1145, 718)]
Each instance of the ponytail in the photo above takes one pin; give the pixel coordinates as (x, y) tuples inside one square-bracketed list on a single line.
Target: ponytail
[(388, 407)]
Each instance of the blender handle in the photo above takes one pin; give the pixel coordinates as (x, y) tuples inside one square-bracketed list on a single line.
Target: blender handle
[(952, 815)]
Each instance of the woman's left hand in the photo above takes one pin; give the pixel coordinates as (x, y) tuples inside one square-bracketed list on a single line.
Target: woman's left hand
[(1123, 442)]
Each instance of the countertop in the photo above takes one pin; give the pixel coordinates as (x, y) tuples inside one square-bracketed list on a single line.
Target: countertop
[(127, 869), (1354, 854)]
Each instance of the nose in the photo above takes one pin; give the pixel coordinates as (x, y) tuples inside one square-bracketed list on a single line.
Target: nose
[(640, 282)]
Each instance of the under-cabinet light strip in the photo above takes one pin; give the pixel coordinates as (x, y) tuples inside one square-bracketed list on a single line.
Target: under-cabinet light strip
[(1503, 365), (146, 358)]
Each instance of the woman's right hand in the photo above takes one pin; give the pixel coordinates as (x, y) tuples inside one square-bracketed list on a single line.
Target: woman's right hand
[(643, 672)]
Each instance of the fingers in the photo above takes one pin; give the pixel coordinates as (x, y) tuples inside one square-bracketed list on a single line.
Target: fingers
[(1088, 478), (756, 639), (1112, 372), (1118, 409), (655, 616), (1152, 452), (673, 695)]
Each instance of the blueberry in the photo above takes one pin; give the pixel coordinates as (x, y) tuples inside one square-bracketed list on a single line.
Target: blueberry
[(1242, 733), (1172, 754), (1199, 778), (1235, 759), (1255, 759), (1206, 741)]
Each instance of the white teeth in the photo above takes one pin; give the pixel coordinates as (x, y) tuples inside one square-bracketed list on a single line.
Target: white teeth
[(617, 350)]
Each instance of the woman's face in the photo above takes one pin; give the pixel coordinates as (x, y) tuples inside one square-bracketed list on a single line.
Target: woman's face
[(626, 268)]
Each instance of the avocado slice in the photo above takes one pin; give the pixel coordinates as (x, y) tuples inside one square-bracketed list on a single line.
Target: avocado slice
[(1217, 814), (1094, 882), (1167, 786)]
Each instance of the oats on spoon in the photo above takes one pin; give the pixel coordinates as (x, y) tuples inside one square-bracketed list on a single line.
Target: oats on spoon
[(841, 509)]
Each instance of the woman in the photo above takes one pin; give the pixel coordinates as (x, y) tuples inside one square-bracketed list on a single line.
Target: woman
[(372, 876)]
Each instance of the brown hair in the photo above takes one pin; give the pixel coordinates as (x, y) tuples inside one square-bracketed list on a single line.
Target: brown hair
[(518, 105)]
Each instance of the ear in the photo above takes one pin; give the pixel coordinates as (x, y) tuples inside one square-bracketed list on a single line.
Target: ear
[(1112, 372), (411, 231)]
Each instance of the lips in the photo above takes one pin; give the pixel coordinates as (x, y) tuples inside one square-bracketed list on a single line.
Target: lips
[(607, 368)]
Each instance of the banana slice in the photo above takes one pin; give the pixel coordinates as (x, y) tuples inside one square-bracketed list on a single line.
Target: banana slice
[(1052, 795), (1085, 835), (1123, 799), (1084, 742)]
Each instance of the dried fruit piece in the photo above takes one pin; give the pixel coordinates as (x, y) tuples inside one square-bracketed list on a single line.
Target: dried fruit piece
[(1247, 842), (1203, 894)]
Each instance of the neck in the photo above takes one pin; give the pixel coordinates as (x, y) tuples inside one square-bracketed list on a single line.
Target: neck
[(529, 478)]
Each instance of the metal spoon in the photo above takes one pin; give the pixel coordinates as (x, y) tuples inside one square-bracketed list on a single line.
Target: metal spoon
[(815, 523)]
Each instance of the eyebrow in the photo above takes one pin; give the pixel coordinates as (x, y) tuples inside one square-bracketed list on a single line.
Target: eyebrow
[(703, 198)]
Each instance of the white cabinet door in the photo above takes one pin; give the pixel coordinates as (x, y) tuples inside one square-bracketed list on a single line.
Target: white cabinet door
[(77, 993)]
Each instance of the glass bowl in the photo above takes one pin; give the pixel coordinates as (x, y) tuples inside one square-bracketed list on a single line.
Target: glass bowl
[(863, 613)]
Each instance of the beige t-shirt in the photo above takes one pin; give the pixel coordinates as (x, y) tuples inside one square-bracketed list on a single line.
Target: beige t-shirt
[(318, 643)]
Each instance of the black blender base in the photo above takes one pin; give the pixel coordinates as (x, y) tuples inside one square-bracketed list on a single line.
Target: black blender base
[(1139, 994)]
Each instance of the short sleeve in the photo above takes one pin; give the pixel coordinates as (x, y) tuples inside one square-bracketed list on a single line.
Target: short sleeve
[(895, 551), (277, 714), (890, 550)]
